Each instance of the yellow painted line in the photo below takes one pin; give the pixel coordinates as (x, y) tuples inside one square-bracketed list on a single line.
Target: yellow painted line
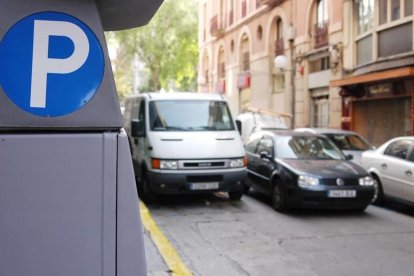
[(167, 251)]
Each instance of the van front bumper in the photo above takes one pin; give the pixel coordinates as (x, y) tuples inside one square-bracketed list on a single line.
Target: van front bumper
[(182, 182)]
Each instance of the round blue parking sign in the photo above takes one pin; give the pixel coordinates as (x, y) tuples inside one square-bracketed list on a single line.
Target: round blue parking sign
[(51, 64)]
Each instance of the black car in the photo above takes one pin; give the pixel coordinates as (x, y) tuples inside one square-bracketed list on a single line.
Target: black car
[(305, 170)]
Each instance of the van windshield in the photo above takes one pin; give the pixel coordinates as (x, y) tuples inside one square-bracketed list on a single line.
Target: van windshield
[(189, 115)]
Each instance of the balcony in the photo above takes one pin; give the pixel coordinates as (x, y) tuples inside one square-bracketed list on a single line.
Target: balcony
[(272, 3), (321, 34), (216, 29), (279, 47)]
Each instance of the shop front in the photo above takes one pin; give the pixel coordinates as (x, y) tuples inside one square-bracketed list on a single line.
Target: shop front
[(378, 105)]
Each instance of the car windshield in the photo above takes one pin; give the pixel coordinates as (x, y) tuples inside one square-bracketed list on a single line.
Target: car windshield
[(307, 147), (349, 142), (189, 115)]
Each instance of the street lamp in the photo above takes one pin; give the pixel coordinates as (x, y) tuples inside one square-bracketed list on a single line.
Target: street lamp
[(281, 62)]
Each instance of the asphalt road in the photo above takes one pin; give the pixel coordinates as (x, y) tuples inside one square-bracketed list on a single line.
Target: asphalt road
[(215, 236)]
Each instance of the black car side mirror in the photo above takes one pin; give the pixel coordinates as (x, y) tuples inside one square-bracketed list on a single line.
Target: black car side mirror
[(137, 128), (349, 157), (265, 155)]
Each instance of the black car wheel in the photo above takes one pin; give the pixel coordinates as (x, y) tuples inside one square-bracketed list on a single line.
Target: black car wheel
[(378, 198), (279, 197), (246, 188), (236, 195)]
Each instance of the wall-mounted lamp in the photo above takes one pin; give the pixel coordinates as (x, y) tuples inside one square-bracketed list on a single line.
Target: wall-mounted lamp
[(201, 80), (281, 62)]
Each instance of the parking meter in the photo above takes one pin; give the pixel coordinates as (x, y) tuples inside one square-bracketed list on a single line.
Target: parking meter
[(68, 201)]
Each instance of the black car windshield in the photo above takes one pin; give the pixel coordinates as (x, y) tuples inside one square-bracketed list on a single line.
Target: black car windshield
[(349, 142), (307, 147), (189, 115)]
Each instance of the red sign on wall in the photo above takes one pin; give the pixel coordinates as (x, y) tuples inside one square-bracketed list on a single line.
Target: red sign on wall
[(221, 86), (243, 81)]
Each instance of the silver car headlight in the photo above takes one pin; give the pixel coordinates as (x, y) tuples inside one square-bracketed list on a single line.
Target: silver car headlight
[(366, 181), (305, 181)]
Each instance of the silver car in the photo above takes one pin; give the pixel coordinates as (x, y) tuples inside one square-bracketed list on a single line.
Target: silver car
[(392, 166), (351, 143)]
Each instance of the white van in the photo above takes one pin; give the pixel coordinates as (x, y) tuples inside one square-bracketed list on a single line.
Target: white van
[(184, 143)]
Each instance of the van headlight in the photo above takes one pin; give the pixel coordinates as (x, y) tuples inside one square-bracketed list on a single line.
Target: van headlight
[(366, 181), (306, 181), (237, 163), (164, 164)]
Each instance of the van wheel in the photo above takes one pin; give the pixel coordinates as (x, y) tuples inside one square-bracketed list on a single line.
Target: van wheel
[(236, 195), (144, 190), (279, 197)]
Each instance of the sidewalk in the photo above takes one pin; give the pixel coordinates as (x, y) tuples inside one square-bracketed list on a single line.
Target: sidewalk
[(155, 263)]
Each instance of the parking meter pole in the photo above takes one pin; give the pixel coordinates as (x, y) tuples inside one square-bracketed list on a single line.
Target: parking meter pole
[(68, 200)]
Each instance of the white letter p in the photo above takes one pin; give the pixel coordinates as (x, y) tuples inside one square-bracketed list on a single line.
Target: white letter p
[(42, 64)]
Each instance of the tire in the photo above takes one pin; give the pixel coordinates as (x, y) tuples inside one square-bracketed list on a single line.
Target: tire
[(236, 195), (246, 189), (144, 190), (278, 197), (379, 192)]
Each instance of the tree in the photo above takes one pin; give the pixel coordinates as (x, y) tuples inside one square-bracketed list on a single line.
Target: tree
[(167, 47)]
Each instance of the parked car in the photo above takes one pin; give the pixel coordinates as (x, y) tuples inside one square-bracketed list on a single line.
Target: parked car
[(350, 142), (299, 169), (392, 166), (184, 143)]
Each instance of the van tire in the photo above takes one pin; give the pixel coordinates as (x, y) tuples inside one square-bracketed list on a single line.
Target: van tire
[(144, 190), (236, 195)]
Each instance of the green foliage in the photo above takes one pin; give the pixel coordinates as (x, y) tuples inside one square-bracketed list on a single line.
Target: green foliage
[(167, 47)]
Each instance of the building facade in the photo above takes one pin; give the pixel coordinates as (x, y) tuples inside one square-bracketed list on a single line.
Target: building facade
[(347, 61)]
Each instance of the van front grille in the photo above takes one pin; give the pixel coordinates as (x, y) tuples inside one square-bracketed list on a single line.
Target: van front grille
[(203, 164)]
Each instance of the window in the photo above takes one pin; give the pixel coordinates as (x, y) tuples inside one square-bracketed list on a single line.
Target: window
[(376, 37), (365, 15), (259, 32), (392, 10), (188, 115), (252, 143), (322, 13), (320, 112), (408, 5), (398, 149)]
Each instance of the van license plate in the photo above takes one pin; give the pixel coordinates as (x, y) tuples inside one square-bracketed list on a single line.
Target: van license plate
[(342, 193), (204, 186)]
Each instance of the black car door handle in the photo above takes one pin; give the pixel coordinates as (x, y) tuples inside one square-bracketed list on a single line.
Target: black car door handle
[(383, 165), (408, 173)]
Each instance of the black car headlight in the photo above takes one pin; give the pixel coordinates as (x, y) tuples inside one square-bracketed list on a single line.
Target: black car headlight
[(366, 181), (305, 181)]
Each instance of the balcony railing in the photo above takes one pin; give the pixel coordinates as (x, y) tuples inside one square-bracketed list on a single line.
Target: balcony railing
[(279, 47), (321, 34), (216, 29)]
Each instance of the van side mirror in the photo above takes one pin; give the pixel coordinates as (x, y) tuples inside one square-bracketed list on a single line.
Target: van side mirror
[(137, 128), (239, 126)]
